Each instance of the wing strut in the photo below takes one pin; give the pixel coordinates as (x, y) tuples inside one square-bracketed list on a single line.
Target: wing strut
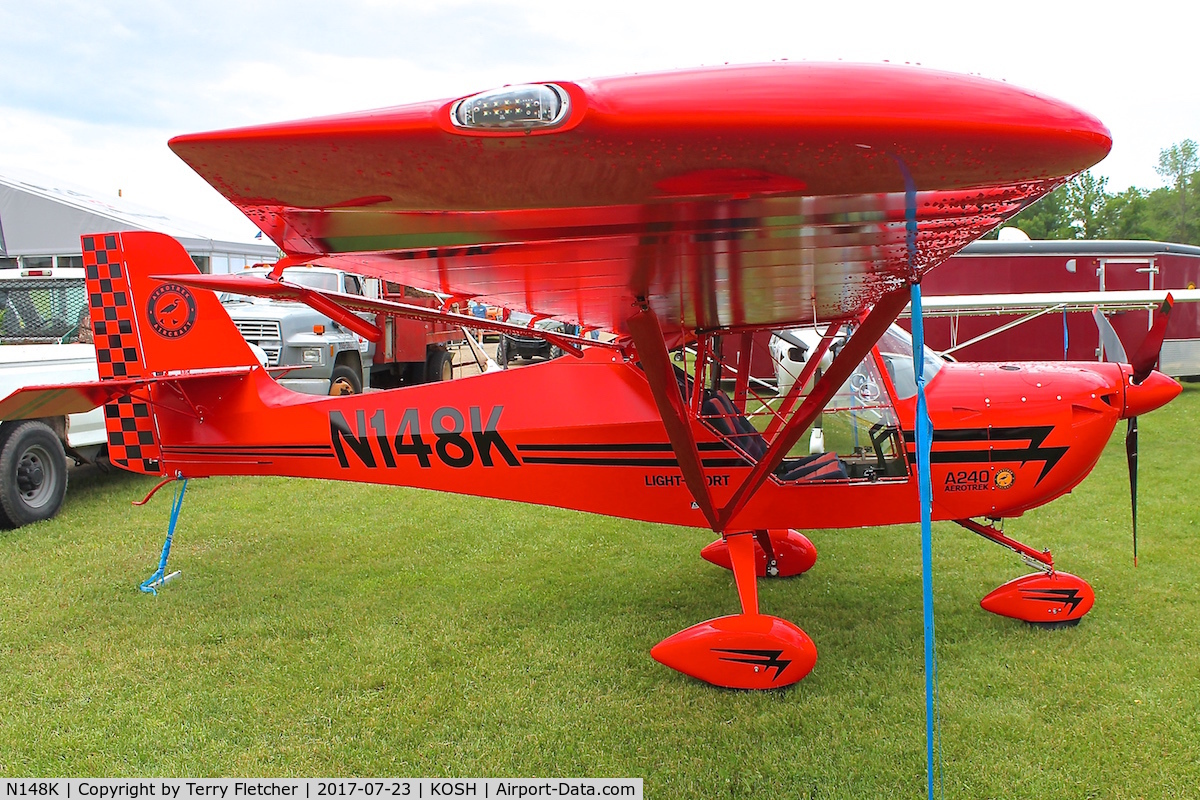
[(339, 307), (852, 353), (656, 364)]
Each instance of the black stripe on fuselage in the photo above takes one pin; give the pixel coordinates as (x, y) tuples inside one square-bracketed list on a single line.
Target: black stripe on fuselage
[(254, 451), (1034, 434), (587, 454), (618, 461), (644, 447)]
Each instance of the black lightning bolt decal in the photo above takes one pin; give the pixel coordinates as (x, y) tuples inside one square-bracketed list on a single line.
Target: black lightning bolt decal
[(1065, 596), (768, 659), (1035, 435), (1049, 456)]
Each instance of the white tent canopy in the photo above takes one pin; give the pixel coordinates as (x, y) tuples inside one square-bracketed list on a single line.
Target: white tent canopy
[(42, 217)]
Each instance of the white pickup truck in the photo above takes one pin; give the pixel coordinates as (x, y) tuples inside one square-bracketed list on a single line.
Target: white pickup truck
[(42, 320)]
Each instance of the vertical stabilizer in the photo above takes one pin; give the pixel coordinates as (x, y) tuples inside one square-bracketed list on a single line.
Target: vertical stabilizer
[(145, 327)]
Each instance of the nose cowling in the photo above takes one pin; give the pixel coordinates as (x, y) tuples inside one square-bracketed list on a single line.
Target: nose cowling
[(1155, 391)]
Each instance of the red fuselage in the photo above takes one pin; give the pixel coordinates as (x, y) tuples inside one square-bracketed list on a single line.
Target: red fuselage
[(585, 434)]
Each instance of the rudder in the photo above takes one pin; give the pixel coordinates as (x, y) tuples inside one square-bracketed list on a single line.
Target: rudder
[(145, 327)]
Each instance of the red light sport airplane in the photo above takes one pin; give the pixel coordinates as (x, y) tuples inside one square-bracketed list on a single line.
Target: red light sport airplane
[(689, 209)]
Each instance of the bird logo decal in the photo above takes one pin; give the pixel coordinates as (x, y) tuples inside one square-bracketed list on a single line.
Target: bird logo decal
[(171, 310)]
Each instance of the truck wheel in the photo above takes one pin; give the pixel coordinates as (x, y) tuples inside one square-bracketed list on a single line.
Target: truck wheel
[(33, 474), (440, 366), (345, 380)]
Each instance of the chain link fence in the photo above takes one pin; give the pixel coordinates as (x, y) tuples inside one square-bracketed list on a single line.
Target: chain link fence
[(43, 310)]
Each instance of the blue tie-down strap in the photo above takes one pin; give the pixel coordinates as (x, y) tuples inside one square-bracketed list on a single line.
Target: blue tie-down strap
[(924, 442), (151, 584)]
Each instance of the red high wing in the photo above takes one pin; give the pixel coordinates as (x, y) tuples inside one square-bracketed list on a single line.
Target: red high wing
[(730, 196)]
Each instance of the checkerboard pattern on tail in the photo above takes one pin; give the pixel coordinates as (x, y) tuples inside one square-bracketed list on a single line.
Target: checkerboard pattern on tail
[(132, 438)]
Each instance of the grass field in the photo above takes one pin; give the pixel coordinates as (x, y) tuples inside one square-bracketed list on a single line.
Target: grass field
[(326, 629)]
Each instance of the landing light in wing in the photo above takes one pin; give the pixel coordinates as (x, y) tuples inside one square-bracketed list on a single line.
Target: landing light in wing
[(540, 105)]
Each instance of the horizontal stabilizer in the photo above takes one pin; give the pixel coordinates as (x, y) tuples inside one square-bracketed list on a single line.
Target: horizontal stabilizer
[(32, 402)]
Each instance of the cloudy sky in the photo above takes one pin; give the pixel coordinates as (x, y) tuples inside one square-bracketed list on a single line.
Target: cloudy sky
[(90, 90)]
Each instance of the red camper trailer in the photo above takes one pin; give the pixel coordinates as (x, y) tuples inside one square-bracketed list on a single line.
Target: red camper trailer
[(1070, 268)]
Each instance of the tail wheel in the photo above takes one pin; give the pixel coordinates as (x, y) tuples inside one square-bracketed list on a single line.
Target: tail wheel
[(33, 474), (345, 380), (440, 366)]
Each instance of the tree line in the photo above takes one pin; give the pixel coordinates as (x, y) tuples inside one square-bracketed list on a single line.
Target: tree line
[(1084, 208)]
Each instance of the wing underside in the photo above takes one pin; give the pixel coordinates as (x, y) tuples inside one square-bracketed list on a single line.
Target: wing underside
[(761, 262)]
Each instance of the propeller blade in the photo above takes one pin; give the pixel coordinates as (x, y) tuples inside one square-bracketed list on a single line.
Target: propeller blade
[(1110, 343), (1131, 456), (1146, 357)]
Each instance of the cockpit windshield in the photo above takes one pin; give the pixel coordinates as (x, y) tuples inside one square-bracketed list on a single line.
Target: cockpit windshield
[(896, 349)]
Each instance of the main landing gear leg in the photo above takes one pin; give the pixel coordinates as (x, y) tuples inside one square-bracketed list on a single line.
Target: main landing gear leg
[(1048, 598), (743, 651), (779, 553)]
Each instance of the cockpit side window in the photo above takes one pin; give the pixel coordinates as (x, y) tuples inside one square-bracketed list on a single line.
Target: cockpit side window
[(859, 423), (856, 437)]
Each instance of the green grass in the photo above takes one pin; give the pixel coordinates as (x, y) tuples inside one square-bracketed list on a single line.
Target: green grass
[(325, 629)]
